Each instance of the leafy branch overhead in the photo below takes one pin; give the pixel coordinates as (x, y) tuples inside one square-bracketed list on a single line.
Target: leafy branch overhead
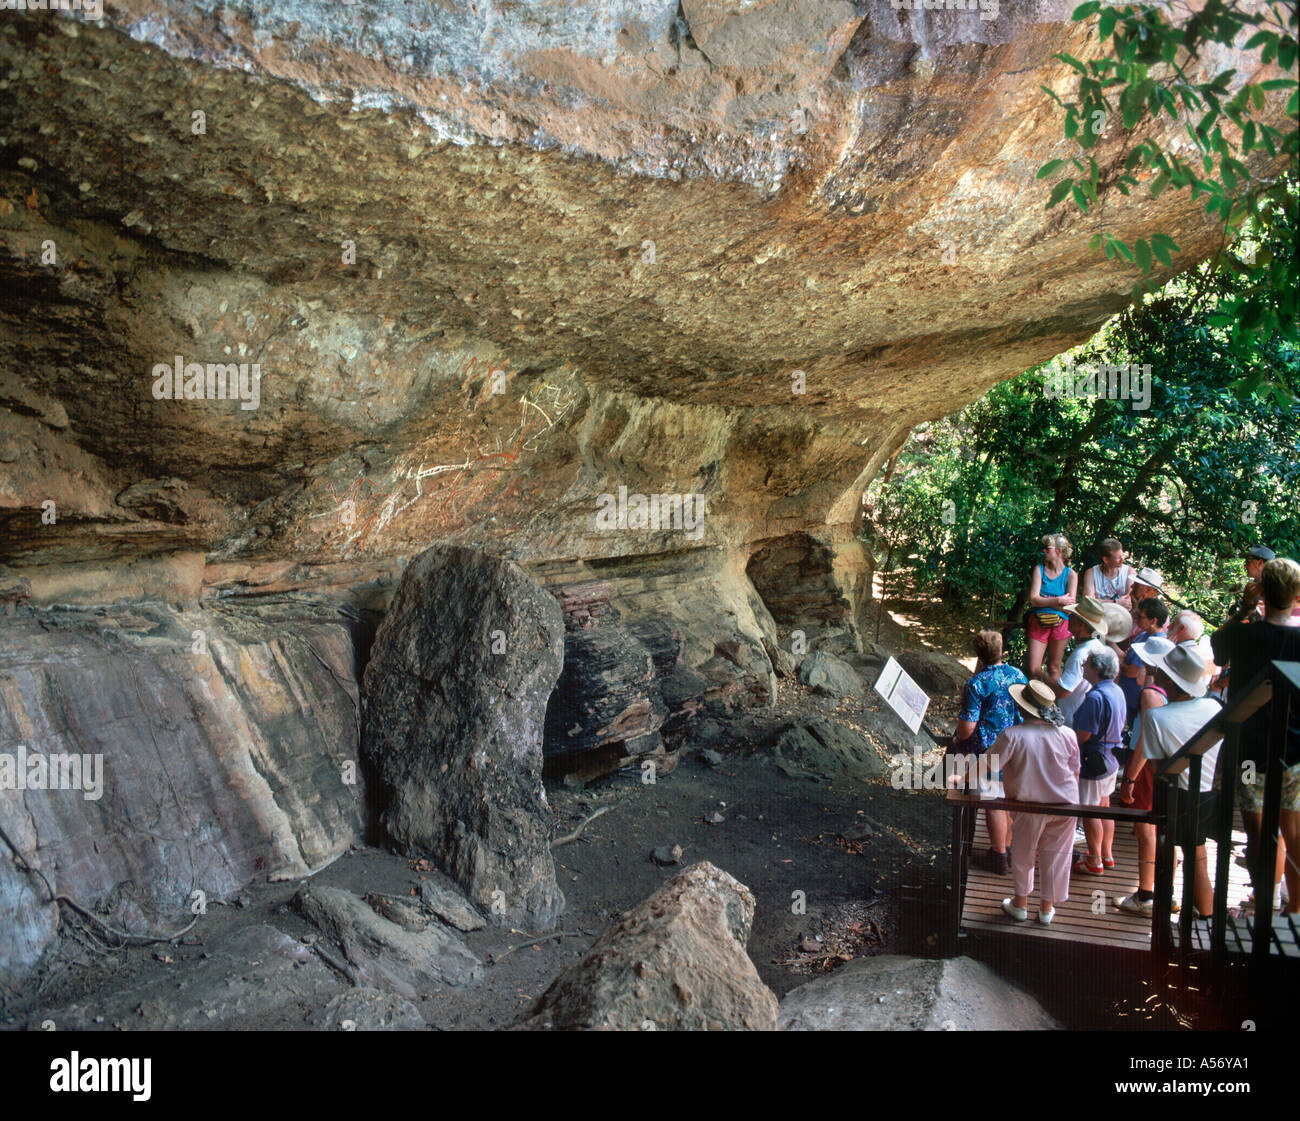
[(1151, 67)]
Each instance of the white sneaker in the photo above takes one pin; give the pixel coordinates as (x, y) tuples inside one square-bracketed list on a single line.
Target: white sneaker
[(1135, 906)]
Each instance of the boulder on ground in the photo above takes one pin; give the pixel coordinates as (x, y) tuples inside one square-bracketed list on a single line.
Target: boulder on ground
[(825, 673), (454, 702), (449, 907), (608, 693), (887, 727), (382, 953), (675, 962), (820, 748), (934, 671), (897, 993), (369, 1010)]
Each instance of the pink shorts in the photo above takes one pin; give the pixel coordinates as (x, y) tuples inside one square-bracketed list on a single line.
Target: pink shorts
[(1059, 633)]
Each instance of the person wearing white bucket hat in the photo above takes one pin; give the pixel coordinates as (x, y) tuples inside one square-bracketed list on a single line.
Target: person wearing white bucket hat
[(1040, 763)]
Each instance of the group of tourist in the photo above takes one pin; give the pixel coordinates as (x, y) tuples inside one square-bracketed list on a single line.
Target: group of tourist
[(1138, 684)]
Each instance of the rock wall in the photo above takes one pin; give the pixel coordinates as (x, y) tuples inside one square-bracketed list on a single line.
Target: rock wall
[(212, 748)]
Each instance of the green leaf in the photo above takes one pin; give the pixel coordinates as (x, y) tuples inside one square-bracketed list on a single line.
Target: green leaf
[(1059, 192), (1107, 23), (1143, 255), (1083, 11), (1160, 183), (1072, 61), (1051, 167), (1162, 252), (1079, 196)]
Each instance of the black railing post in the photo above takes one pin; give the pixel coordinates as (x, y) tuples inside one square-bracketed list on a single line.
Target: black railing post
[(1267, 867), (1189, 828), (1226, 775), (958, 867), (1164, 875)]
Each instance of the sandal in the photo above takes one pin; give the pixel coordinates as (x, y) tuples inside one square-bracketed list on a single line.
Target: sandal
[(1090, 869)]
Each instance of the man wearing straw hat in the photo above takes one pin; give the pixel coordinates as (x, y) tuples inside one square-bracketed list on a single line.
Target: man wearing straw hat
[(1040, 763), (1180, 671)]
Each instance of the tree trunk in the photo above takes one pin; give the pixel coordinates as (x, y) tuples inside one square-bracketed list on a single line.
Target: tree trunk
[(1129, 500)]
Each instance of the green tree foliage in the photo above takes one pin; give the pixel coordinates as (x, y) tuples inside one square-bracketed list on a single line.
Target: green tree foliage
[(1187, 484), (1149, 65)]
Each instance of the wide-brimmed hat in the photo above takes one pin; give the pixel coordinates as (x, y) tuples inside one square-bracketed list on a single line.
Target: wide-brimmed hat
[(1151, 578), (1035, 698), (1093, 612), (1119, 622), (1183, 664)]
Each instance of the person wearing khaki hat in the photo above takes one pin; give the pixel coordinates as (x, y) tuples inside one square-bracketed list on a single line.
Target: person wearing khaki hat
[(1095, 624), (1040, 763)]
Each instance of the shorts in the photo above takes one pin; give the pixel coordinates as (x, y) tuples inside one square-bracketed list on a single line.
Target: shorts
[(1251, 795), (1038, 633), (1143, 788), (1188, 835), (1093, 790)]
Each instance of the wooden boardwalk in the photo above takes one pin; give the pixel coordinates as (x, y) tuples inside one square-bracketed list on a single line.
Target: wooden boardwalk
[(1075, 919)]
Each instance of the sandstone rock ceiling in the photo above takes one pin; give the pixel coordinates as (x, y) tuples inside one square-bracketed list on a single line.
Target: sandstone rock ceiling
[(646, 214)]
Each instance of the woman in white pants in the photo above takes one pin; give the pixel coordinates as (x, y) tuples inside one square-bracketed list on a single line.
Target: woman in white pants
[(1040, 763)]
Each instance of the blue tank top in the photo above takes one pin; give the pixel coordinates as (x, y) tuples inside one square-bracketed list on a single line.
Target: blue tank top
[(1055, 587)]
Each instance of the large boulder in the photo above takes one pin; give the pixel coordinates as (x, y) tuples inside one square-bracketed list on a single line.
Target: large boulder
[(896, 993), (823, 672), (454, 702), (608, 694), (675, 962), (934, 671), (820, 748)]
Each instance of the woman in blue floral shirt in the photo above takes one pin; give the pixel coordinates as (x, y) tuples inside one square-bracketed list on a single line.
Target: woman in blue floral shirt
[(987, 710)]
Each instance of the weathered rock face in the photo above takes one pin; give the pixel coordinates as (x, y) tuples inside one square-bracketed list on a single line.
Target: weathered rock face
[(493, 262), (676, 962), (383, 953), (454, 701), (197, 751)]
